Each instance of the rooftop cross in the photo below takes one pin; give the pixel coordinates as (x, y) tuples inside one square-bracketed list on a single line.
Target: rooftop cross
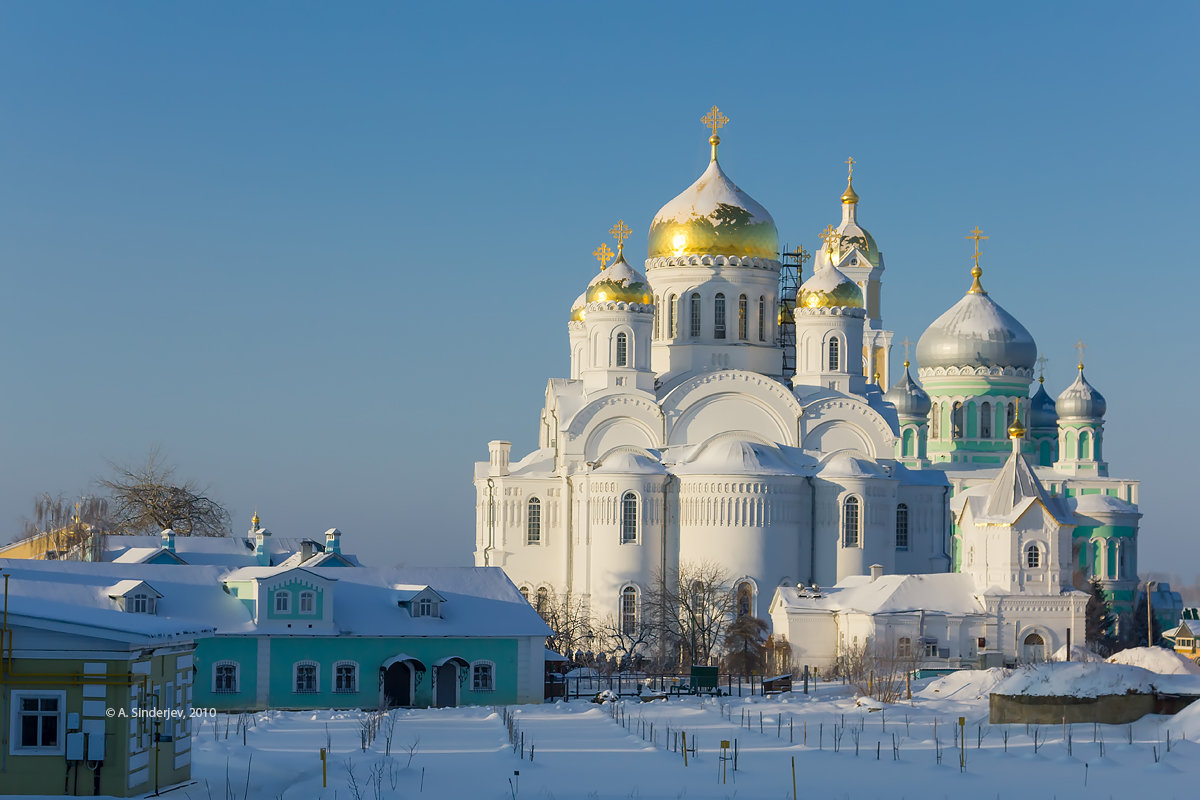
[(713, 120), (829, 235), (850, 163), (976, 286), (801, 255), (620, 232), (977, 235), (1041, 362), (907, 344), (602, 254), (1080, 346)]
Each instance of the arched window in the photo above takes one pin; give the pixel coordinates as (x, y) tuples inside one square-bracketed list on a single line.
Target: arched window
[(1085, 445), (851, 522), (762, 318), (345, 677), (935, 421), (956, 421), (1010, 415), (835, 358), (1034, 648), (657, 306), (719, 316), (629, 514), (671, 329), (695, 321), (628, 610), (902, 527), (543, 600), (283, 602), (985, 421), (525, 593), (533, 521), (1033, 556), (745, 599), (743, 311), (622, 350)]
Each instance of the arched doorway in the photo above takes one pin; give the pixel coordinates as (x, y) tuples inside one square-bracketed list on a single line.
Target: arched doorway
[(448, 675), (400, 676), (1034, 648)]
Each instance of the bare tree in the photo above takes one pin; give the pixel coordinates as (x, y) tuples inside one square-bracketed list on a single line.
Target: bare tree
[(693, 605), (628, 640), (878, 668), (569, 619), (145, 499), (746, 645), (67, 524)]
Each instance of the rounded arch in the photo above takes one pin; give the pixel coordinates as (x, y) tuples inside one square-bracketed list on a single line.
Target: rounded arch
[(1085, 444), (1034, 644), (629, 608), (745, 597), (834, 346), (630, 519), (908, 444), (533, 520), (851, 520), (1033, 555), (839, 435)]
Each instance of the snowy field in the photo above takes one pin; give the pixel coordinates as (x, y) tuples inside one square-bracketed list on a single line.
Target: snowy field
[(629, 749)]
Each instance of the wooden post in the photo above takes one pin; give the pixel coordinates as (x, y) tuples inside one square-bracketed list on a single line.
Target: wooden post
[(793, 778), (324, 776), (685, 748)]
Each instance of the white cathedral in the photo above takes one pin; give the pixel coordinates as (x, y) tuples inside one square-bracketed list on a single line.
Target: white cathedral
[(685, 435)]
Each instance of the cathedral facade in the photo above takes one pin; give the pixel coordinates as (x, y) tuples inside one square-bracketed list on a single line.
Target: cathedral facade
[(710, 417)]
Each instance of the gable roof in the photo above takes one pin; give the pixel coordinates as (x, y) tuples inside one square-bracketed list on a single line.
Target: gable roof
[(1013, 492)]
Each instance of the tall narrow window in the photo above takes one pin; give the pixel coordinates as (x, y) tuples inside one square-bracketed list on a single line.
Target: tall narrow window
[(743, 311), (308, 602), (1033, 557), (657, 306), (985, 421), (1010, 415), (902, 527), (283, 602), (719, 316), (695, 321), (629, 513), (543, 600), (745, 599), (956, 421), (628, 610), (935, 421), (762, 318), (851, 523), (672, 331), (533, 521), (622, 350), (835, 359)]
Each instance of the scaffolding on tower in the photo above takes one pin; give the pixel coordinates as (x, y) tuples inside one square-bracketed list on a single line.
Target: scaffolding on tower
[(789, 282)]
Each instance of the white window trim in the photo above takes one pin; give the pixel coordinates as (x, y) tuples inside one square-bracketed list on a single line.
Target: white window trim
[(284, 593), (316, 677), (357, 676), (483, 663), (637, 518), (14, 728), (637, 608), (237, 676), (311, 595)]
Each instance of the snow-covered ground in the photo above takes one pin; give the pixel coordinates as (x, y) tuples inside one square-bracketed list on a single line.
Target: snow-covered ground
[(842, 748)]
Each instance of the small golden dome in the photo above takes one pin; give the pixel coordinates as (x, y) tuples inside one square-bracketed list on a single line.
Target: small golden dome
[(849, 196), (578, 312), (619, 283), (829, 288), (1017, 430)]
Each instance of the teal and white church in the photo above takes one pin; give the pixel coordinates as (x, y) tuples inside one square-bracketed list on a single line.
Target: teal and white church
[(710, 416)]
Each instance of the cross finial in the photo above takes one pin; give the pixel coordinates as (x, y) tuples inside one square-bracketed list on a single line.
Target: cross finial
[(1041, 362), (977, 235), (1080, 346), (976, 287), (907, 344), (602, 254), (801, 255), (714, 120), (850, 163), (828, 236), (620, 232)]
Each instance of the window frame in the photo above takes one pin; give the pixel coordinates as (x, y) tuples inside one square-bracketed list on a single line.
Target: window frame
[(743, 313), (489, 669), (629, 610), (719, 315), (696, 317), (629, 527), (852, 501), (1033, 556), (533, 521), (621, 349), (311, 597), (354, 672), (286, 597), (833, 354), (762, 317), (140, 603), (672, 317), (236, 682), (16, 727), (316, 677), (985, 420), (902, 528)]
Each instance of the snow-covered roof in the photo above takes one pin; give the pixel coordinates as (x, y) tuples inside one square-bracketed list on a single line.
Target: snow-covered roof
[(946, 593), (479, 601), (1011, 494), (629, 460), (728, 455), (850, 465), (228, 551), (98, 621), (122, 588), (976, 332), (1093, 679), (1101, 504), (539, 462)]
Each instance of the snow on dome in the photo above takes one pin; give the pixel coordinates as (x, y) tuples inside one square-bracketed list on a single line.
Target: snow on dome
[(1080, 400), (1042, 413), (619, 283), (976, 332), (713, 217), (827, 288), (909, 399), (1156, 659), (626, 461), (1101, 504), (732, 456), (847, 465)]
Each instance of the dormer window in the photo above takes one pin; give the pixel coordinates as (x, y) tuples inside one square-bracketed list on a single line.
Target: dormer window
[(139, 603), (283, 602), (308, 602), (424, 607)]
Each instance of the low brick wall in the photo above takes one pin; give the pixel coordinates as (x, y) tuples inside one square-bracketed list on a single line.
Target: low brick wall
[(1111, 709)]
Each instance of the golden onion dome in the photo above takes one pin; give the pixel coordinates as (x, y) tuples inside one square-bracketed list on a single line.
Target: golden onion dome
[(713, 217), (577, 308), (619, 283), (849, 196), (829, 288)]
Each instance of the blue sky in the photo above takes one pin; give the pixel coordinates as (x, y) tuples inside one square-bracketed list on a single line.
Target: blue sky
[(322, 253)]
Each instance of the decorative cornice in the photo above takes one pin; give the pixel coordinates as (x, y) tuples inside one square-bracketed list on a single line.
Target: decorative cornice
[(636, 308), (831, 311), (753, 262), (940, 372)]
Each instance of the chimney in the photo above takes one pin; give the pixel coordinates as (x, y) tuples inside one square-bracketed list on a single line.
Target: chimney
[(498, 464), (261, 552), (306, 550), (168, 539), (333, 540), (876, 572)]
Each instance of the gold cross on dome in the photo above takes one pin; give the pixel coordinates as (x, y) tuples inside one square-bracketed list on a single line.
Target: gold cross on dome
[(907, 344), (801, 255), (1041, 362), (1080, 346), (828, 236), (602, 254), (977, 235), (620, 232), (714, 120), (850, 163)]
